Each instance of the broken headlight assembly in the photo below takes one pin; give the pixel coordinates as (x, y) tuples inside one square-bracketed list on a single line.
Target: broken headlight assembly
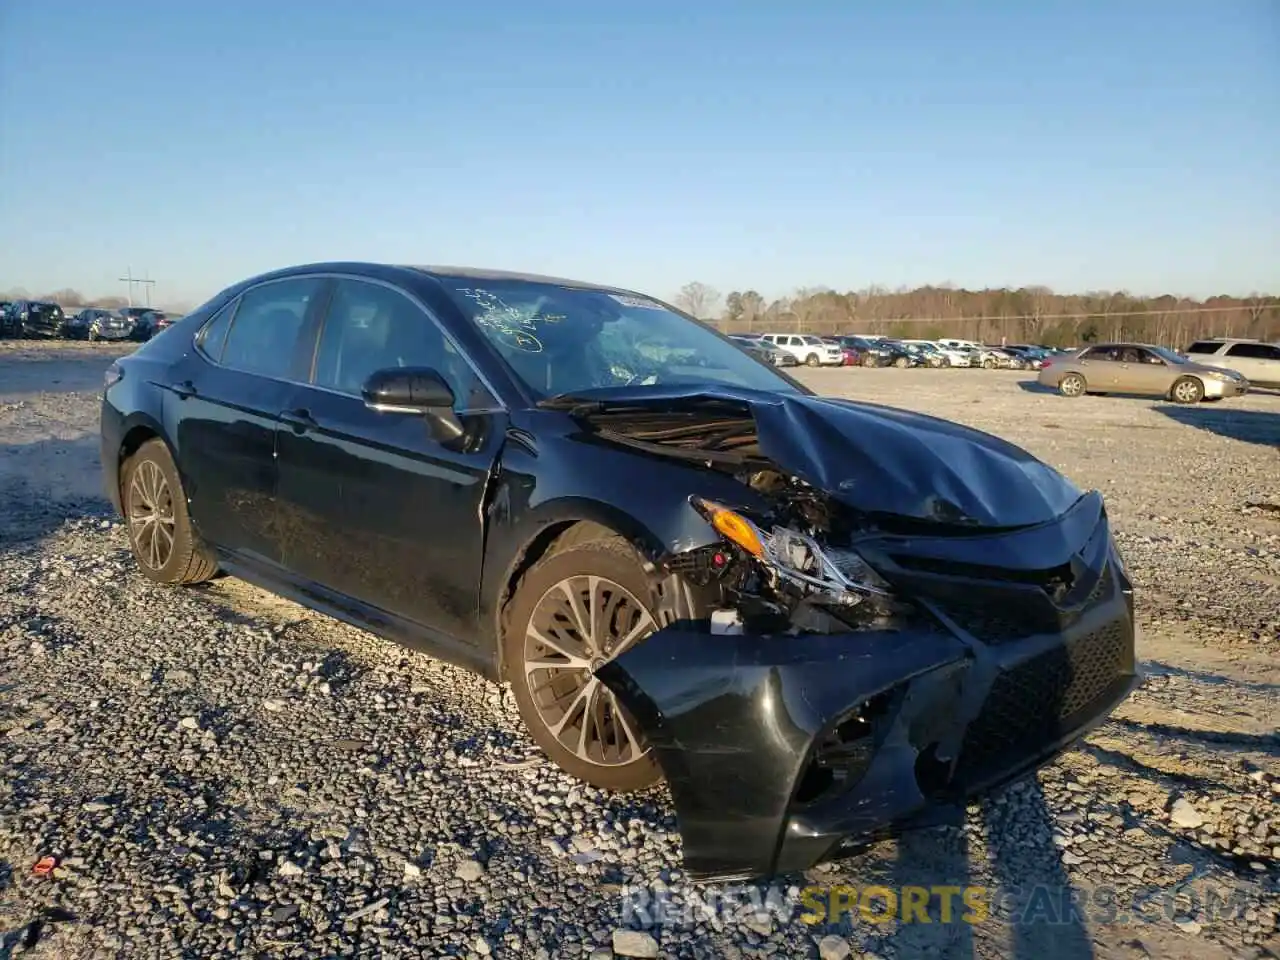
[(835, 576)]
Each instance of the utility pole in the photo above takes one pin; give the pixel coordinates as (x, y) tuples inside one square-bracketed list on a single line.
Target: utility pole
[(130, 279)]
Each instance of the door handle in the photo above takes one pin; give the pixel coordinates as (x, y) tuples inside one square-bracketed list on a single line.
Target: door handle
[(184, 389), (300, 420)]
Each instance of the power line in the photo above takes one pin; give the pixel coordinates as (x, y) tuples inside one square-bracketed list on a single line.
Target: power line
[(130, 279)]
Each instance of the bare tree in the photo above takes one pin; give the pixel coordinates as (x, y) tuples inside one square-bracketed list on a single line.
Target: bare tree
[(698, 299)]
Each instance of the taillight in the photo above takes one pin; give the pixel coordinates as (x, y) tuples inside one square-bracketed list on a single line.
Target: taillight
[(1045, 364), (112, 376)]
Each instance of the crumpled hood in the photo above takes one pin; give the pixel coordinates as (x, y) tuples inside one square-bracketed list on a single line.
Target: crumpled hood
[(881, 459)]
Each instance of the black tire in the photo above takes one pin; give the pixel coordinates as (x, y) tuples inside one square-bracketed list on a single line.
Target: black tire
[(1073, 385), (1187, 390), (188, 559), (901, 363), (616, 562), (813, 360)]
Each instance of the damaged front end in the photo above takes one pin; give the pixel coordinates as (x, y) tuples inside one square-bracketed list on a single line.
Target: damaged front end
[(861, 670)]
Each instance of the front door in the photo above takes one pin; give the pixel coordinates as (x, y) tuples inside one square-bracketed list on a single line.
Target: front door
[(224, 404), (372, 504), (1144, 372)]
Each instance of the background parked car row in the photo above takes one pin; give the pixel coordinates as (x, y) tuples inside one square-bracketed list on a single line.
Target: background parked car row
[(1258, 363), (34, 319)]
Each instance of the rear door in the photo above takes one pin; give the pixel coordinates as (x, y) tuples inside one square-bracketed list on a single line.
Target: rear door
[(372, 504), (1259, 362), (1099, 368), (224, 407)]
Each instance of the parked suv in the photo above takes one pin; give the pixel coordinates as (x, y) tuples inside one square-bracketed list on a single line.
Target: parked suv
[(35, 318), (810, 350), (1259, 362)]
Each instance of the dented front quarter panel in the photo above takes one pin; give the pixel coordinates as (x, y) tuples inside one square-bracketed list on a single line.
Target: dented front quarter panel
[(553, 472)]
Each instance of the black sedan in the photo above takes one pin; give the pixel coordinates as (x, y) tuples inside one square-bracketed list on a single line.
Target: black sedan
[(97, 323), (818, 619)]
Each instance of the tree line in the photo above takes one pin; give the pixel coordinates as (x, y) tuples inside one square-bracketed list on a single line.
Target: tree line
[(71, 299), (1024, 315)]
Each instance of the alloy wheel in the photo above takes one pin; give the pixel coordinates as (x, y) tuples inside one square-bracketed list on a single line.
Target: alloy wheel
[(1185, 391), (151, 517), (579, 624), (1071, 386)]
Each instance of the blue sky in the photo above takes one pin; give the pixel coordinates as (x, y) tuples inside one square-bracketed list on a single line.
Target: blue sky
[(1082, 145)]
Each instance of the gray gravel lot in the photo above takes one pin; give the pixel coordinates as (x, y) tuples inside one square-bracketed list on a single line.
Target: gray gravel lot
[(222, 773)]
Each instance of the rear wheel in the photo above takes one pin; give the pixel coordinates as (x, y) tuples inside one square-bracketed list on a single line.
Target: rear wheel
[(164, 543), (573, 611), (1187, 390), (1072, 385)]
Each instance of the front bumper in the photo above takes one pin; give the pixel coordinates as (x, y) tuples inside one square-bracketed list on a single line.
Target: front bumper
[(783, 751), (1224, 388)]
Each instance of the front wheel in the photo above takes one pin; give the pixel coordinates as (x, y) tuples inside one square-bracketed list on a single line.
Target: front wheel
[(813, 360), (164, 542), (1187, 390), (573, 611), (901, 362)]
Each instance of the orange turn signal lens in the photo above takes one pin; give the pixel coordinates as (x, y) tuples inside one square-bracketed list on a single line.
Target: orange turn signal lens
[(731, 526)]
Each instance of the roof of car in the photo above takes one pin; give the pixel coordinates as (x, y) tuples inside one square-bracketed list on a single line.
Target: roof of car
[(1228, 340), (374, 268), (1120, 343), (482, 273)]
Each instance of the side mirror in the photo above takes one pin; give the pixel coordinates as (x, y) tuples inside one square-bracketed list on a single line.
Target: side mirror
[(417, 390)]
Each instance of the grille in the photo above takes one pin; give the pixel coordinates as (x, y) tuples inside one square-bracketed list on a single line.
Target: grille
[(1028, 706), (997, 623)]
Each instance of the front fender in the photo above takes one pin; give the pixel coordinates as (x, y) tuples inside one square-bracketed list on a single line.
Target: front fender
[(559, 479)]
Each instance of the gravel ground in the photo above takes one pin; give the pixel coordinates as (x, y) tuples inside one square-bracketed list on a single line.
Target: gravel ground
[(222, 773)]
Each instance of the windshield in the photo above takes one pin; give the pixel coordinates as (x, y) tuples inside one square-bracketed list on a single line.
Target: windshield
[(566, 340), (1166, 354)]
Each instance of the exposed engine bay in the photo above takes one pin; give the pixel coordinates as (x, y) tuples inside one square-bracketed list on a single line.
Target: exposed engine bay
[(790, 568)]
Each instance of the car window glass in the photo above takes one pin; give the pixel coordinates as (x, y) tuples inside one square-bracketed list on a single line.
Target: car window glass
[(214, 335), (561, 339), (1203, 346), (1252, 351), (264, 334), (1100, 353), (371, 327), (1146, 356)]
